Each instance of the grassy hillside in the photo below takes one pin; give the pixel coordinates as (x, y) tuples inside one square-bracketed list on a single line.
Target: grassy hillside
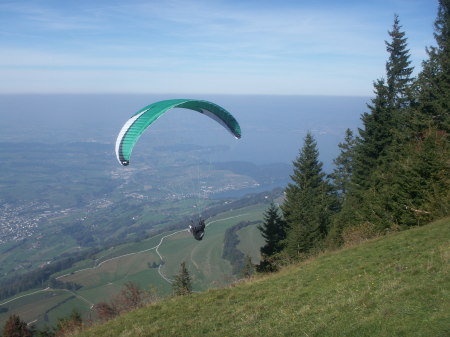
[(394, 286)]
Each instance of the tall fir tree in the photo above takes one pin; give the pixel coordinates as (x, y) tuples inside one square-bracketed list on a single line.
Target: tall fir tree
[(386, 127), (182, 284), (398, 70), (374, 138), (273, 230), (308, 204), (389, 117)]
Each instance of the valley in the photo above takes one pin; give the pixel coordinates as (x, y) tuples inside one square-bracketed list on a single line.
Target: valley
[(150, 263)]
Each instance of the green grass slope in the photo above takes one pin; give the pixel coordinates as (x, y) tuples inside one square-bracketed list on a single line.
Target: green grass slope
[(394, 286)]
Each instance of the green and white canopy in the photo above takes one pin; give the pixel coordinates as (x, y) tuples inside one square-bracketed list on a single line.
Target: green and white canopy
[(137, 124)]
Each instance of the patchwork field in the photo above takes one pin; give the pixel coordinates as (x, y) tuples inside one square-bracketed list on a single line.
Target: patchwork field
[(150, 263), (45, 306)]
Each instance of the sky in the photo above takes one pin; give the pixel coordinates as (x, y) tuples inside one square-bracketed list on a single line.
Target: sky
[(265, 47)]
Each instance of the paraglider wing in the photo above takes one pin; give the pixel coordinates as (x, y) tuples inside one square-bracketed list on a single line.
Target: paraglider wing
[(136, 125)]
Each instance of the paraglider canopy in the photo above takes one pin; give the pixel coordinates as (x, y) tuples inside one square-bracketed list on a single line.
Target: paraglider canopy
[(138, 123)]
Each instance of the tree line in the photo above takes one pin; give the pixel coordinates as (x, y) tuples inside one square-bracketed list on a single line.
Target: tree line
[(43, 276), (391, 174), (230, 251)]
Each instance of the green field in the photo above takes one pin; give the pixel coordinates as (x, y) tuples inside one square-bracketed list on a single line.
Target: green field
[(250, 241), (103, 277), (204, 259), (397, 285), (45, 306)]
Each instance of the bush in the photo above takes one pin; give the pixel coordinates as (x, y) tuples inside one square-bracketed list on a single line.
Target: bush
[(130, 297), (357, 234)]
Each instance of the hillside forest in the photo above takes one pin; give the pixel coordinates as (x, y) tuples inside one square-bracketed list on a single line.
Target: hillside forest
[(391, 174)]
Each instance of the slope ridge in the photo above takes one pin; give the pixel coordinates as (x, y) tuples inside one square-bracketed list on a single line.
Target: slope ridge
[(396, 285)]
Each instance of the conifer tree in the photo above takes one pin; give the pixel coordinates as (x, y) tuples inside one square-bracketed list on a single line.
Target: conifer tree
[(375, 137), (15, 327), (398, 70), (389, 117), (434, 80), (182, 284), (386, 128), (273, 230), (308, 204), (342, 172)]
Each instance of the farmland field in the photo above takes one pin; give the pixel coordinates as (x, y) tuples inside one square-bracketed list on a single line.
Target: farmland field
[(104, 275), (46, 306)]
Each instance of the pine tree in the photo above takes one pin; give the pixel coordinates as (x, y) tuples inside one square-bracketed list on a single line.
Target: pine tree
[(434, 80), (273, 230), (389, 119), (182, 284), (386, 129), (398, 70), (375, 137), (342, 172), (15, 327), (309, 203)]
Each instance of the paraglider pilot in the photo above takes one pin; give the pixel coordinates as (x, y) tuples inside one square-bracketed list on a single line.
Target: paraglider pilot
[(197, 230)]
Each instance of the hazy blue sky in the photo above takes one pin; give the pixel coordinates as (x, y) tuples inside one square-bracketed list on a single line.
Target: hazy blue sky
[(326, 47)]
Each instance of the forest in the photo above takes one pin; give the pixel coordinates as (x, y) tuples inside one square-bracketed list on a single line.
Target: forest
[(390, 175)]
